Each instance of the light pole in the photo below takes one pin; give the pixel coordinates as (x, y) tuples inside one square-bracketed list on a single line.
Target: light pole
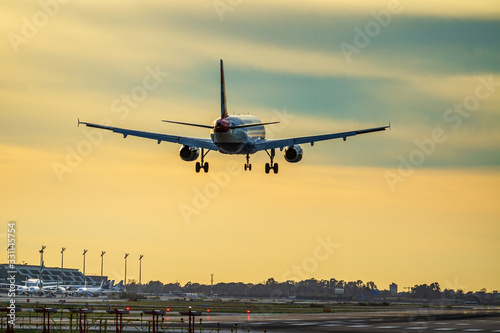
[(84, 251), (140, 269), (41, 255), (102, 261), (212, 285), (125, 282), (62, 261), (62, 257)]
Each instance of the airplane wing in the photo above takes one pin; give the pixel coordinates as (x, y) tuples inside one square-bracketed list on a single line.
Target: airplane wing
[(183, 140), (280, 143)]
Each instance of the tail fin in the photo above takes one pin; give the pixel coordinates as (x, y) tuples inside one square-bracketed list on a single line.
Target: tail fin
[(118, 286), (105, 285), (223, 106)]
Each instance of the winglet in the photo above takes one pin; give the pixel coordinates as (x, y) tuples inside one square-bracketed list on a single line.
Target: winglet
[(78, 122), (223, 106)]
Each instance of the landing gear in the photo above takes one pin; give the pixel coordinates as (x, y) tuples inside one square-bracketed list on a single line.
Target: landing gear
[(203, 165), (248, 166), (273, 166)]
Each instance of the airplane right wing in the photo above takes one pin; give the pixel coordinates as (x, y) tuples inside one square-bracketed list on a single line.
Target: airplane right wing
[(183, 140), (280, 143)]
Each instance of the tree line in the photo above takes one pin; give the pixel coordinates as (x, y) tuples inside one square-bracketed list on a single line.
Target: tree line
[(310, 288)]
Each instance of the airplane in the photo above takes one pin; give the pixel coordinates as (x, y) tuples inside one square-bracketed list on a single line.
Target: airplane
[(236, 135), (104, 288), (39, 287)]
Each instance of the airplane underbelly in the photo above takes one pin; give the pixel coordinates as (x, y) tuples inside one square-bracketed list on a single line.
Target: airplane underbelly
[(231, 143)]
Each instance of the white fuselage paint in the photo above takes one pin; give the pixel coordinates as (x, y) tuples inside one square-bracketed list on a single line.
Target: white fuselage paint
[(239, 140)]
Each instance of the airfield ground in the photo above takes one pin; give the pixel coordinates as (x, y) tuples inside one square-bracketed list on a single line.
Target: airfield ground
[(266, 315)]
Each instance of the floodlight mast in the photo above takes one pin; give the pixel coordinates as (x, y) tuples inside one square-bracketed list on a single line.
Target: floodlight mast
[(62, 261), (84, 251), (41, 255), (140, 271), (102, 261), (212, 285), (62, 257), (140, 267), (125, 282)]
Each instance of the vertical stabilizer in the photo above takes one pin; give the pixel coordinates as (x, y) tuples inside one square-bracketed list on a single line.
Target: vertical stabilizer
[(223, 106)]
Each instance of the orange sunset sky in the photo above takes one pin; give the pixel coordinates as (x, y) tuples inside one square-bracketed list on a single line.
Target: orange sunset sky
[(417, 204)]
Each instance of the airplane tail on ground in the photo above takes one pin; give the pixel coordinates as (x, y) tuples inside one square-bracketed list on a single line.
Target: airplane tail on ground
[(223, 106), (118, 286)]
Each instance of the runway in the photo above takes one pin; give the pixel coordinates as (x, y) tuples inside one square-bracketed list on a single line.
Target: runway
[(394, 319), (403, 321)]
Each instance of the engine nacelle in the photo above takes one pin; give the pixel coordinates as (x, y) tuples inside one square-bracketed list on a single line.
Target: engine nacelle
[(189, 153), (293, 154)]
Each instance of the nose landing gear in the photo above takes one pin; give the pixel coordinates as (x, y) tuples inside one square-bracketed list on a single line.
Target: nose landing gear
[(248, 166)]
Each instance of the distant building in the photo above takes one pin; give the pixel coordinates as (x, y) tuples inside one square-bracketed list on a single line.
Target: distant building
[(393, 288), (339, 291), (70, 276)]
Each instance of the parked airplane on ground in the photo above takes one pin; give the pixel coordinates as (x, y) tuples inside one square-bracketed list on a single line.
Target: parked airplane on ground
[(38, 287), (237, 134), (104, 288)]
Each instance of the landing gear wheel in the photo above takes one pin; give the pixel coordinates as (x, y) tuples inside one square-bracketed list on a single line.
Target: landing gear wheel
[(271, 165), (248, 166), (203, 165)]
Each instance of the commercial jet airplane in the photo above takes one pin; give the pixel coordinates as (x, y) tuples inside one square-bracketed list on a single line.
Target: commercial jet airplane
[(104, 288), (237, 134)]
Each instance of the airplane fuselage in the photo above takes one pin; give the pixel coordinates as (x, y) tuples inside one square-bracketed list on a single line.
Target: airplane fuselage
[(237, 140)]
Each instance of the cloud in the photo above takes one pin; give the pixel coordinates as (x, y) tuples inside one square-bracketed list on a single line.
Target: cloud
[(282, 56)]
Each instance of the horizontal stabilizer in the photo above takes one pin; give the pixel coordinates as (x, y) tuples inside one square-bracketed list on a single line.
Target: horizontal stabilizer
[(252, 125), (188, 124)]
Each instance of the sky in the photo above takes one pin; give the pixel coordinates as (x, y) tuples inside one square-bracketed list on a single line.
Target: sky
[(416, 204)]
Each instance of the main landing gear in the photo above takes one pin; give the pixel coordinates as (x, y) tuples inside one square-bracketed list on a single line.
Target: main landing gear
[(273, 166), (248, 166), (202, 165)]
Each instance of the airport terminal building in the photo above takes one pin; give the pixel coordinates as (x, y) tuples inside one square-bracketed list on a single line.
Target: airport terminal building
[(66, 276)]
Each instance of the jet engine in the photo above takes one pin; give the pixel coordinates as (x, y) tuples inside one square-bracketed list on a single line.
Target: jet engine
[(189, 153), (293, 154)]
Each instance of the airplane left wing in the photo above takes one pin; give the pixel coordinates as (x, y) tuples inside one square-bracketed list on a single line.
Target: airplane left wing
[(280, 143), (183, 140)]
